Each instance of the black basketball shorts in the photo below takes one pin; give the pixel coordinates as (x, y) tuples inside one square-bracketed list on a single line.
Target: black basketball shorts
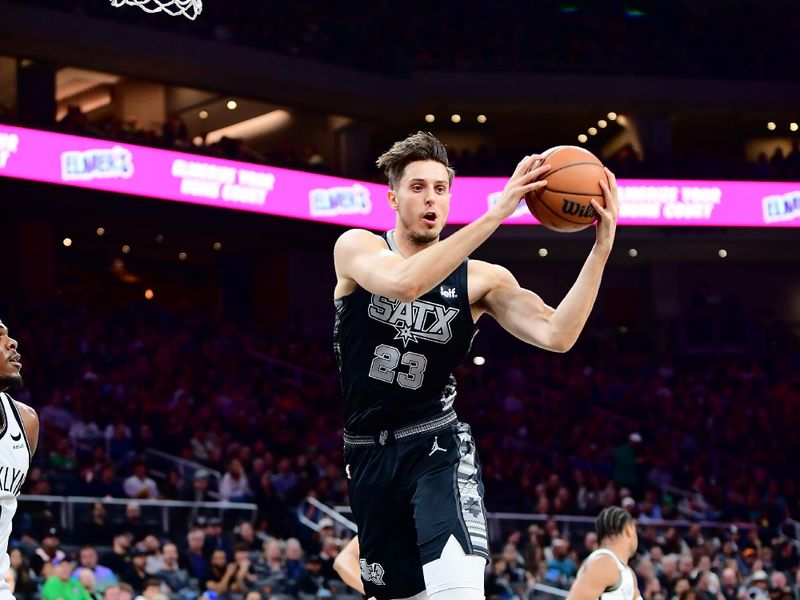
[(408, 497)]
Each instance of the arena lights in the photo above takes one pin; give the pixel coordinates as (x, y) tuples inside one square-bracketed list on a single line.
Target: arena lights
[(543, 252), (160, 238), (633, 253), (149, 294), (793, 127), (482, 119), (456, 118), (602, 123), (182, 256), (722, 253), (592, 130), (582, 138), (203, 114), (771, 126), (479, 361), (217, 246), (429, 118), (197, 140), (612, 116), (101, 231), (232, 105), (67, 242), (126, 249)]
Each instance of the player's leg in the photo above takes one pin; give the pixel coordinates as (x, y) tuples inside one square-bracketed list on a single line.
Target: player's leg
[(450, 518), (388, 558)]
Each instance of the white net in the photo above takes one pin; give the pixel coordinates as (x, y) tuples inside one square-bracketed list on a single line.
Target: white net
[(186, 8)]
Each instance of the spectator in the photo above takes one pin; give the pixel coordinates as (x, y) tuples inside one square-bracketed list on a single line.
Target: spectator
[(152, 590), (246, 535), (330, 550), (234, 486), (118, 559), (88, 581), (134, 523), (561, 568), (136, 576), (295, 566), (48, 552), (195, 560), (155, 561), (312, 581), (23, 576), (271, 563), (175, 578), (106, 483), (97, 530), (496, 584), (215, 539), (61, 586), (139, 485), (223, 573), (103, 577)]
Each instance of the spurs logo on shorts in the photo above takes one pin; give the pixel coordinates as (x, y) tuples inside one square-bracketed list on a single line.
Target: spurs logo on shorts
[(372, 572)]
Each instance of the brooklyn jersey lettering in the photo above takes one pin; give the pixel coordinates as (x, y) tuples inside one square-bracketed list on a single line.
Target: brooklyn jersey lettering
[(15, 459), (397, 358)]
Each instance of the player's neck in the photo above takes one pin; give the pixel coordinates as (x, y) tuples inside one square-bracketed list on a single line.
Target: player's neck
[(407, 246), (619, 549)]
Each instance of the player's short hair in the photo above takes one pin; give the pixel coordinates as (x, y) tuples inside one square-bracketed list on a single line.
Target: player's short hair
[(611, 522), (418, 146)]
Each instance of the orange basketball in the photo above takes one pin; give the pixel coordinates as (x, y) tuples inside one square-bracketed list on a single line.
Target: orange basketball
[(572, 181)]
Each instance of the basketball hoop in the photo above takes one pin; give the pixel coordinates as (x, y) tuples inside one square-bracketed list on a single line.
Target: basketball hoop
[(187, 8)]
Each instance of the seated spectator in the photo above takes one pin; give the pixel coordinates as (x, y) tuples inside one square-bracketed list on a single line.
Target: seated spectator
[(215, 539), (118, 559), (48, 552), (561, 568), (152, 590), (496, 584), (312, 581), (139, 485), (223, 573), (103, 576), (105, 484), (295, 566), (136, 575), (24, 585), (173, 576), (88, 581), (194, 557), (234, 486), (246, 535), (270, 563), (61, 586), (97, 530), (134, 523)]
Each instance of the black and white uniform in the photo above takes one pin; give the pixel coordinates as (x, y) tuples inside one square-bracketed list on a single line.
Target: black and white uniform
[(412, 467), (15, 458), (625, 589)]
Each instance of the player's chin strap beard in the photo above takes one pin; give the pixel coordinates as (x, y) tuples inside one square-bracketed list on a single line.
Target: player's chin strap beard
[(10, 382)]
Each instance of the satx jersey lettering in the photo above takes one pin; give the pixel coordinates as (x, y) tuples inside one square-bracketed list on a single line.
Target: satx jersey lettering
[(396, 358)]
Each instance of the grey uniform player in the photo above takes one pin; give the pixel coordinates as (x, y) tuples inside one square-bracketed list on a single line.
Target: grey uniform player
[(407, 305), (19, 432)]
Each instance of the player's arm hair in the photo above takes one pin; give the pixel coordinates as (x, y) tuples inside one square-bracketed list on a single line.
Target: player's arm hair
[(523, 314), (30, 420), (595, 576), (362, 257), (346, 565)]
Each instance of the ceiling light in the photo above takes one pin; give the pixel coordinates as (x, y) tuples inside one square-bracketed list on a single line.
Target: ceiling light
[(722, 253), (198, 140), (148, 294), (455, 118), (67, 242), (633, 253), (479, 361), (203, 114), (543, 252), (429, 118), (602, 123), (232, 105), (793, 126), (101, 231), (771, 126), (217, 246), (592, 130), (160, 238), (481, 118), (612, 116), (582, 138), (182, 256)]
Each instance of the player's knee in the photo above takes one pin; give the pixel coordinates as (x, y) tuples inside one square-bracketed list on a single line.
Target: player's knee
[(455, 574)]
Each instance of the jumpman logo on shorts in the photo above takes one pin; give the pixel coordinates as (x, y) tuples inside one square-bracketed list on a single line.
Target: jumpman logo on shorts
[(436, 446)]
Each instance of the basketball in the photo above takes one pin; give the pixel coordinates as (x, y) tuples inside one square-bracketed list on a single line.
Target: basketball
[(572, 181)]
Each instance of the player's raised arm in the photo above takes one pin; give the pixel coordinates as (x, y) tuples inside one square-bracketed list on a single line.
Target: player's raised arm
[(524, 314), (421, 196), (596, 575)]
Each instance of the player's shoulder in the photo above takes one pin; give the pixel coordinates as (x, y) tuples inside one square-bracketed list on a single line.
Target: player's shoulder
[(358, 239), (601, 561), (28, 413), (489, 273)]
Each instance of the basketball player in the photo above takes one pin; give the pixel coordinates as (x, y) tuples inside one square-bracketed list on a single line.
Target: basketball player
[(406, 308), (605, 573), (19, 433)]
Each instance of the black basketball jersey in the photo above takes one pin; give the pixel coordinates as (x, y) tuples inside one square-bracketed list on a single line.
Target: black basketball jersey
[(397, 358)]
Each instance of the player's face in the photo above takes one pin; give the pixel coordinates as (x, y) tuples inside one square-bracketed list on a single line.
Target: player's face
[(10, 365), (422, 200)]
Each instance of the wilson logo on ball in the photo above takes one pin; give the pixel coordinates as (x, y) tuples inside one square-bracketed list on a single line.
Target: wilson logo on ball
[(574, 209)]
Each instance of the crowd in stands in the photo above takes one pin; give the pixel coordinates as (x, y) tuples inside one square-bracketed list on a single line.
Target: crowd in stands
[(750, 40), (664, 438)]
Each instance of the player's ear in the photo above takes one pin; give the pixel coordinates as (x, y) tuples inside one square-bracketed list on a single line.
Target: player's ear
[(392, 197)]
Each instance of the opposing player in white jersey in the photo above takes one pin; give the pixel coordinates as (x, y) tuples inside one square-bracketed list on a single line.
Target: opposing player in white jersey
[(19, 433), (605, 573)]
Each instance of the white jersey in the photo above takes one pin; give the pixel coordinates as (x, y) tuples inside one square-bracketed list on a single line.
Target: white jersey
[(624, 588), (15, 458)]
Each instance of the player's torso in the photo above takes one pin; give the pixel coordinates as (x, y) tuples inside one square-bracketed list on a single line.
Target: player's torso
[(14, 463), (625, 588), (397, 358)]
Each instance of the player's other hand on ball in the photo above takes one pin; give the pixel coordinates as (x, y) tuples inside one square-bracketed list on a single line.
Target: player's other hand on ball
[(607, 215), (525, 179)]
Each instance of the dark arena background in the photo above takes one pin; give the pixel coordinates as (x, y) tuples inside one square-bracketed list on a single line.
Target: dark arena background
[(171, 191)]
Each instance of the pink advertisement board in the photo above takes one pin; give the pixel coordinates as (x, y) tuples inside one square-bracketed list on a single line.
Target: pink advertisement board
[(169, 175)]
